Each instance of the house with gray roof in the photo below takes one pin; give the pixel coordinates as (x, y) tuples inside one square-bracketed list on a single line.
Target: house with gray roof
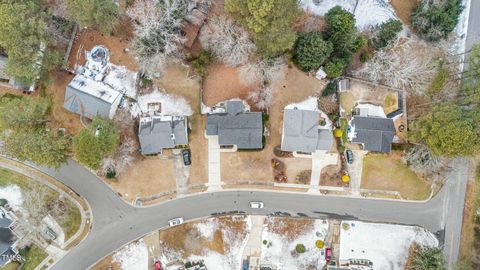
[(90, 98), (236, 126), (8, 239), (303, 133), (99, 86), (156, 133), (374, 133)]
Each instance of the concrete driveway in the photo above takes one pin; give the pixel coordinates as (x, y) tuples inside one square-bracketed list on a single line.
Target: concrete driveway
[(214, 176), (355, 170)]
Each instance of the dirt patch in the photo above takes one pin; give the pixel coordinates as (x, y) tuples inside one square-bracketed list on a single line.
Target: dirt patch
[(148, 176), (86, 39), (331, 175), (403, 9), (308, 22), (289, 227), (223, 83), (60, 117)]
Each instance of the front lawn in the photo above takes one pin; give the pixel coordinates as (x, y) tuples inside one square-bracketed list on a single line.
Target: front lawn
[(383, 172), (33, 256), (70, 223)]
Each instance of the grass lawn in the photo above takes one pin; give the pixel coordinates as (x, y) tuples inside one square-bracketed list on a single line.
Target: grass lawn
[(347, 101), (343, 127), (33, 256), (70, 225), (386, 173), (11, 266)]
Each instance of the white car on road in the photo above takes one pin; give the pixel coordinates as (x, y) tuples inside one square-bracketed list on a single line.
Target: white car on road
[(256, 205), (175, 221)]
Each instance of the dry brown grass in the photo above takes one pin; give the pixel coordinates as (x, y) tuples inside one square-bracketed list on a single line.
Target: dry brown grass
[(187, 239), (199, 149), (223, 83), (403, 9), (146, 177), (106, 264), (289, 227)]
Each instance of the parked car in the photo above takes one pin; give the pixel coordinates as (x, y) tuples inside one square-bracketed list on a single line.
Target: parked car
[(175, 221), (186, 154), (349, 155), (256, 205), (158, 265), (328, 254)]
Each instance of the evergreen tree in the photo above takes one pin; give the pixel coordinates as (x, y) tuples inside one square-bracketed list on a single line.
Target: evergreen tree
[(311, 51)]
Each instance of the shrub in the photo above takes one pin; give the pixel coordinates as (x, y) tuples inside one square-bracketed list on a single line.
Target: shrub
[(311, 51), (265, 242), (386, 33), (330, 89), (345, 226), (319, 244), (365, 56), (334, 68), (435, 21), (439, 81), (201, 63), (300, 248)]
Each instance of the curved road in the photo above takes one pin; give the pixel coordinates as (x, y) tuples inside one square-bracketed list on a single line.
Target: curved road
[(116, 223)]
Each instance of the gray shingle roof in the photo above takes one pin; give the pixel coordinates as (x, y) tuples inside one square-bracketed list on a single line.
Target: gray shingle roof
[(155, 134), (236, 127), (376, 134), (89, 98), (7, 239), (301, 133)]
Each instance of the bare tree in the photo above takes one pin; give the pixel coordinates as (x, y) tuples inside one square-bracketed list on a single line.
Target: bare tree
[(265, 71), (263, 98), (35, 204), (409, 64), (420, 159), (229, 42), (121, 160), (59, 8), (157, 30)]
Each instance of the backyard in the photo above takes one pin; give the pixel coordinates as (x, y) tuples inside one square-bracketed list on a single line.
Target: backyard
[(387, 172)]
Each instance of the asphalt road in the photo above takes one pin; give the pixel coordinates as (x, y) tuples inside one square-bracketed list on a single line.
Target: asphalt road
[(116, 223), (473, 33)]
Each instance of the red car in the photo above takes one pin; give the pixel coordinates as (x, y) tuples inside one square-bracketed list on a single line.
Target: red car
[(158, 265), (328, 254)]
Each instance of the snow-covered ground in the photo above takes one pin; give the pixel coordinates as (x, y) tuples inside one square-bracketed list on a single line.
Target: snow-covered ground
[(367, 12), (207, 229), (385, 245), (133, 256), (281, 251), (461, 31), (13, 194), (170, 104), (232, 258)]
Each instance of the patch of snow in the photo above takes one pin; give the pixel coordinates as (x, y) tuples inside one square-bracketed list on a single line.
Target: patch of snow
[(207, 228), (133, 256), (281, 251), (232, 259), (13, 194), (367, 13), (309, 104), (220, 107), (122, 80), (170, 104), (386, 245)]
